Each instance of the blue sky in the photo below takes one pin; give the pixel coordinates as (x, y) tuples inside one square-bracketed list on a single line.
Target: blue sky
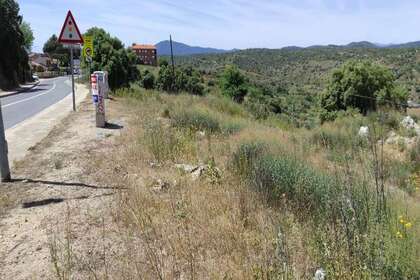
[(233, 23)]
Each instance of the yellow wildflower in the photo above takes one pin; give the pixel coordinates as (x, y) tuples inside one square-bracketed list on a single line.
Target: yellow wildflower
[(408, 225), (402, 221), (399, 234)]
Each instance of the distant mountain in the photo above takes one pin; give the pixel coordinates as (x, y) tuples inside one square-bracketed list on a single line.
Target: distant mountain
[(363, 44), (164, 48), (368, 45), (181, 49), (406, 45)]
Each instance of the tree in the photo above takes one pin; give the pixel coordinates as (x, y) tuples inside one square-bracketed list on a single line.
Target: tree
[(185, 79), (165, 78), (28, 35), (14, 66), (148, 81), (110, 55), (233, 83), (163, 62), (57, 51), (362, 85)]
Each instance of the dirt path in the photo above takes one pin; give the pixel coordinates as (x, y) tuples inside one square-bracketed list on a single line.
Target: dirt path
[(55, 191)]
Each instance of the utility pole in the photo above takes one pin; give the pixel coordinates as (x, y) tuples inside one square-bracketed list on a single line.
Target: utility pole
[(4, 161), (72, 77), (173, 63)]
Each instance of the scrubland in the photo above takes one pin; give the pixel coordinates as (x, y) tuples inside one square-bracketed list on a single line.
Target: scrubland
[(270, 202)]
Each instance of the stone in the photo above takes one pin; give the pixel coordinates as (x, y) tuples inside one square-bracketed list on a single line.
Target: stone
[(160, 185), (154, 164), (186, 167), (409, 123), (320, 274), (196, 174), (196, 171), (394, 139), (364, 131)]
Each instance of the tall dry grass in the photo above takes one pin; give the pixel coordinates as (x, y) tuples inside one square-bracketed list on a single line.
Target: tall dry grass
[(169, 226)]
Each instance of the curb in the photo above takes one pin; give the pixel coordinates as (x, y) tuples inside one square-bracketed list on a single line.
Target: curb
[(20, 91)]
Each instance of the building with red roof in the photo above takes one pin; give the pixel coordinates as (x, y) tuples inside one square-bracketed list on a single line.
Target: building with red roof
[(147, 54)]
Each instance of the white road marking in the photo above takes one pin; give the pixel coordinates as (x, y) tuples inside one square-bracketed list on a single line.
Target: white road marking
[(30, 98)]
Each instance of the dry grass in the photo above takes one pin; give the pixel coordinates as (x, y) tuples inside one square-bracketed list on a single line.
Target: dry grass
[(211, 228)]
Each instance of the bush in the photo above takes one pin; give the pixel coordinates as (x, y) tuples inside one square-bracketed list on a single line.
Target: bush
[(197, 120), (349, 236), (225, 105), (246, 156), (148, 81), (163, 62), (233, 84), (183, 79), (203, 120)]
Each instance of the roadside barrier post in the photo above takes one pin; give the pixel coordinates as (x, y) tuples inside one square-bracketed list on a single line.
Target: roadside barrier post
[(4, 160), (98, 99)]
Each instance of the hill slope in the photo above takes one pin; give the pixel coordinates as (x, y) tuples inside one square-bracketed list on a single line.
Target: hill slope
[(308, 68), (164, 48)]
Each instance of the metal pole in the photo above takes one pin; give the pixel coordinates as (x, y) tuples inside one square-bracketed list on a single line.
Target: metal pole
[(4, 161), (173, 63), (172, 56), (72, 77)]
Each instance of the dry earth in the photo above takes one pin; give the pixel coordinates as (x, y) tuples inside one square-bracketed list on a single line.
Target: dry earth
[(54, 203)]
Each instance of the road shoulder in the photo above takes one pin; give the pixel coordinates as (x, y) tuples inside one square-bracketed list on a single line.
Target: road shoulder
[(28, 133), (55, 191), (21, 89)]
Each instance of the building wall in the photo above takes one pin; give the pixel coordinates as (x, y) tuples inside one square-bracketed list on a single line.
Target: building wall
[(147, 56)]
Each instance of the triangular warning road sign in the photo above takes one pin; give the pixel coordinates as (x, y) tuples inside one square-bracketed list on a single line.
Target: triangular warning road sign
[(70, 33)]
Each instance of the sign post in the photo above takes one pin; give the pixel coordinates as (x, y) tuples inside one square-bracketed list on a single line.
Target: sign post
[(88, 51), (4, 161), (70, 35)]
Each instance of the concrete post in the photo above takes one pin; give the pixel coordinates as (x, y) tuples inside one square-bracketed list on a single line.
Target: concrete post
[(4, 160), (98, 100)]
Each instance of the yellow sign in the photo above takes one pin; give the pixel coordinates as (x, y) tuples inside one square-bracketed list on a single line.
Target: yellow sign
[(88, 46)]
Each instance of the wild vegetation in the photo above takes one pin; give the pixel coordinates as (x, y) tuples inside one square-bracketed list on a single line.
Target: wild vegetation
[(112, 56), (57, 51), (307, 69), (251, 165), (270, 203), (14, 67)]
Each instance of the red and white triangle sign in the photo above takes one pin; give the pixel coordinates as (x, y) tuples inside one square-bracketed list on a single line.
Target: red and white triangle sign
[(70, 33)]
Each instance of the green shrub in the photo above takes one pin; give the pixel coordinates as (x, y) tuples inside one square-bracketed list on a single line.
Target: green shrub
[(197, 120), (233, 83), (148, 80), (225, 105), (203, 120), (246, 156), (229, 127), (351, 239)]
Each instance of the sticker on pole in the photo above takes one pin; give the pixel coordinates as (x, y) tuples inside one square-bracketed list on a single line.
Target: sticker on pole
[(70, 33)]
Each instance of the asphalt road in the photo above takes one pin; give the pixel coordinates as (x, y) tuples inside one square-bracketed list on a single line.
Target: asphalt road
[(22, 106)]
